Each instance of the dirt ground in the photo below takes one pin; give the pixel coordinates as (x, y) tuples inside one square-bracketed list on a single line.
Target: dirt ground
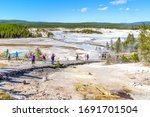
[(84, 82)]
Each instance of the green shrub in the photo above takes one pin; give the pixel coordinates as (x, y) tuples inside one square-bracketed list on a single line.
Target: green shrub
[(50, 34), (108, 59), (38, 35), (124, 59), (2, 56), (88, 31), (27, 56), (58, 65), (130, 58), (134, 57)]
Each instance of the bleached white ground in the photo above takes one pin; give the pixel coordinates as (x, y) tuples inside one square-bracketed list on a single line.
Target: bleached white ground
[(106, 36), (134, 78), (67, 45)]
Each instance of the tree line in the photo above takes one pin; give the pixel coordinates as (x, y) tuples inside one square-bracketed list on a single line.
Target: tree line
[(14, 31), (72, 25), (85, 31)]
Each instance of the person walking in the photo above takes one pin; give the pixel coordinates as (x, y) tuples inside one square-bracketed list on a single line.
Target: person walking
[(9, 56), (17, 55), (77, 57), (53, 59), (33, 59), (87, 57), (44, 58), (6, 53)]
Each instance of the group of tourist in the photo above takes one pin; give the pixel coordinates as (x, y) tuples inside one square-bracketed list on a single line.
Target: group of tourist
[(43, 56), (32, 57), (7, 54)]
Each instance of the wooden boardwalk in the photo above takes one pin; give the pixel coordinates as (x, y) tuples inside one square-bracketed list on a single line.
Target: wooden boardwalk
[(4, 73)]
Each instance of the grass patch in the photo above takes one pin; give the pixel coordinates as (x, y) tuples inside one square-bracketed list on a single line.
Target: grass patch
[(96, 92), (5, 96)]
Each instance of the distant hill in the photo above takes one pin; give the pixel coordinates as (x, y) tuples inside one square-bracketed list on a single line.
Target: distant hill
[(75, 25), (139, 23), (13, 22)]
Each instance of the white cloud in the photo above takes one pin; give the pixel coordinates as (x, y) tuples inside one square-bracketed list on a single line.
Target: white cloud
[(127, 9), (118, 2), (124, 9), (103, 9), (84, 10)]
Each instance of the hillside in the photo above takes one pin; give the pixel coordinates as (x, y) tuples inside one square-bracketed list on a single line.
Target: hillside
[(134, 25)]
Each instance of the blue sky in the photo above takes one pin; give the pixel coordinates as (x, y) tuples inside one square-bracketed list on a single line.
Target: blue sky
[(76, 10)]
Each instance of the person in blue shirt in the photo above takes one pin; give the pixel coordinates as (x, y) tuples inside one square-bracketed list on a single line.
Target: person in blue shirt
[(17, 55)]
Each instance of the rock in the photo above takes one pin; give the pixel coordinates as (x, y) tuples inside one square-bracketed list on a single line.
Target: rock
[(24, 82), (90, 73)]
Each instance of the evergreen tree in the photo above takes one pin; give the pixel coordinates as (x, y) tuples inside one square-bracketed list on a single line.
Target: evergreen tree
[(144, 45), (112, 45), (49, 34), (107, 46), (118, 46), (129, 43), (38, 54), (14, 31)]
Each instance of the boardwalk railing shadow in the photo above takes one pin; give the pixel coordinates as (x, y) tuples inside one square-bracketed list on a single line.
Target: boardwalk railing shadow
[(22, 70), (30, 77)]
